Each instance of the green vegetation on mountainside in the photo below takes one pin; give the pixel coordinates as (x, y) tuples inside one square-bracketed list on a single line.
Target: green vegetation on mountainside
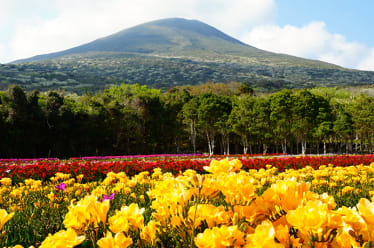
[(173, 52)]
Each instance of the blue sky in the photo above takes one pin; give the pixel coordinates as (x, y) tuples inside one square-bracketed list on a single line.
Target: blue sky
[(334, 31), (350, 18)]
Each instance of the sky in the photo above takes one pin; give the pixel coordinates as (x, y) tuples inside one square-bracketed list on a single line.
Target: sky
[(335, 31)]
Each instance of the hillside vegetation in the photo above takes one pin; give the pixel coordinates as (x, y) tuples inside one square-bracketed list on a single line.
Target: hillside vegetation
[(171, 52)]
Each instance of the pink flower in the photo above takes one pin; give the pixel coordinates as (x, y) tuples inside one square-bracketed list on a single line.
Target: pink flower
[(105, 197), (61, 186)]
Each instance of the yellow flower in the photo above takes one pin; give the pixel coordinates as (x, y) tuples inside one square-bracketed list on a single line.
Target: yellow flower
[(129, 216), (133, 196), (4, 217), (224, 166), (237, 188), (347, 189), (168, 203), (311, 217), (101, 209), (62, 176), (263, 237), (344, 240), (64, 238), (218, 237), (214, 216), (87, 211), (118, 223), (352, 218), (148, 234), (79, 178), (6, 181), (78, 217), (366, 209), (157, 172), (51, 196), (249, 212), (282, 234), (119, 241), (289, 193)]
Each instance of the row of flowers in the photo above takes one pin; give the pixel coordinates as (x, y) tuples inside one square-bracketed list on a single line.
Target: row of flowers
[(97, 169), (179, 156), (226, 207)]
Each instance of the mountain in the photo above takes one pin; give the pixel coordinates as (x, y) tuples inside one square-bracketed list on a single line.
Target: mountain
[(167, 36), (176, 37), (170, 52)]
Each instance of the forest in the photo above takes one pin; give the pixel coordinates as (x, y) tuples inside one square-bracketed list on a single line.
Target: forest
[(210, 118)]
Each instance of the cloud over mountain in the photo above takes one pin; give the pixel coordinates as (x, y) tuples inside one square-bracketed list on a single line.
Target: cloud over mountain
[(312, 41), (76, 22)]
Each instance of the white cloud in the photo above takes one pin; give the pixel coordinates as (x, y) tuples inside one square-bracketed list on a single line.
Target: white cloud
[(2, 50), (368, 62), (234, 16), (312, 41), (61, 24), (4, 12), (77, 22)]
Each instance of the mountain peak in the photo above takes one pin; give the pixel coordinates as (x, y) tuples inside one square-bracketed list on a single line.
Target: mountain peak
[(196, 26), (171, 35), (177, 51)]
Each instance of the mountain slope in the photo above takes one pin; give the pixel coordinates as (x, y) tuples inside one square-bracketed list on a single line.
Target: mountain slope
[(174, 35), (178, 37), (178, 51)]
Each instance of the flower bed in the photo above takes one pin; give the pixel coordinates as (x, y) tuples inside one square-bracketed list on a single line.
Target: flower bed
[(94, 169), (225, 207)]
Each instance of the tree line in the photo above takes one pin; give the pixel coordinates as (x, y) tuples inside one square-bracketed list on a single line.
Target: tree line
[(212, 118)]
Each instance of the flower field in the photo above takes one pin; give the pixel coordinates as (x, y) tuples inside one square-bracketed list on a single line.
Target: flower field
[(188, 201)]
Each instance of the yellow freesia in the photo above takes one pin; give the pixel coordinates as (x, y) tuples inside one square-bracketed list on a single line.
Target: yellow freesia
[(4, 217), (6, 181), (263, 237), (128, 217), (148, 234), (366, 209), (63, 239), (213, 215), (119, 241), (219, 237), (224, 166)]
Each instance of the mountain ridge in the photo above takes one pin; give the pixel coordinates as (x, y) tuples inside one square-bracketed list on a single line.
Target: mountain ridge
[(141, 32), (176, 36), (171, 52)]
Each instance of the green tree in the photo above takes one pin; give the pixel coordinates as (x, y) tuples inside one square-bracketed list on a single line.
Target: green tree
[(309, 111), (213, 110), (343, 127), (281, 105), (243, 120), (190, 117), (362, 111), (263, 131), (16, 105), (173, 102)]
